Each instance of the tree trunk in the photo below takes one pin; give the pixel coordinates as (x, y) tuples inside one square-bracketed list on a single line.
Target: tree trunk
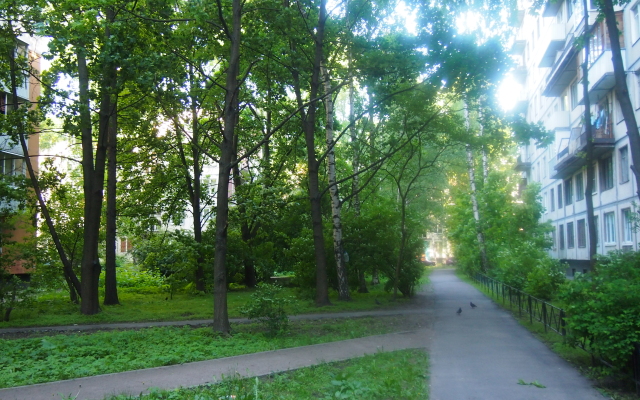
[(110, 281), (355, 146), (474, 200), (403, 239), (93, 179), (197, 192), (110, 276), (591, 225), (67, 269), (250, 279), (220, 310), (308, 126), (336, 204), (622, 90)]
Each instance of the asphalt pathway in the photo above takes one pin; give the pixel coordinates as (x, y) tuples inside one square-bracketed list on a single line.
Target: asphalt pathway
[(480, 354), (483, 353)]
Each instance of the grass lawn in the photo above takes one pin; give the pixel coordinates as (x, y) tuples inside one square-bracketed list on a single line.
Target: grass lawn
[(50, 358), (54, 309), (399, 375)]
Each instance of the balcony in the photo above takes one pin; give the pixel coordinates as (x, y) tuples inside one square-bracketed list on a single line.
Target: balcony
[(557, 120), (601, 79), (554, 38), (520, 74), (522, 165), (551, 8), (563, 71), (571, 158), (518, 46)]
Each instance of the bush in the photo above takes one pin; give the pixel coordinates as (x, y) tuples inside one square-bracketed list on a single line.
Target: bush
[(14, 293), (603, 307), (545, 279), (267, 305)]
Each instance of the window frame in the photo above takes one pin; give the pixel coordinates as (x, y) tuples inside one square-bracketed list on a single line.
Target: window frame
[(571, 240), (581, 228), (606, 173), (610, 228), (579, 186), (624, 168)]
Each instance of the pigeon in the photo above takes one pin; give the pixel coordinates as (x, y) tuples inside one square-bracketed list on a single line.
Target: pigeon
[(459, 311), (378, 302), (472, 305)]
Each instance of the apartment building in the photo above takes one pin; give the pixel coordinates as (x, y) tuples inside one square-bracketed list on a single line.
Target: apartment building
[(11, 154), (549, 69)]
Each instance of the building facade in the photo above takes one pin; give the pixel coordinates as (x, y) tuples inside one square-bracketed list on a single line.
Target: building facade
[(549, 69), (11, 153)]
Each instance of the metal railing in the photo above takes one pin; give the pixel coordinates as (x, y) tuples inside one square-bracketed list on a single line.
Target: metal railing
[(550, 316)]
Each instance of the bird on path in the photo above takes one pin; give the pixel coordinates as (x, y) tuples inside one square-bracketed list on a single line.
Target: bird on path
[(378, 302), (459, 311), (472, 305)]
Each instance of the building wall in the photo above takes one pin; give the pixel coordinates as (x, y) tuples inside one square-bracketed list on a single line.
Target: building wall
[(552, 94), (24, 225)]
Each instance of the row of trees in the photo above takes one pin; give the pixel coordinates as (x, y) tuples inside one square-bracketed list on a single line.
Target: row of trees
[(275, 97)]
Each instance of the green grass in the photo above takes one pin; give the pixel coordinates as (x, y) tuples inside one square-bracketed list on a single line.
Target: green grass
[(54, 309), (399, 375), (44, 359)]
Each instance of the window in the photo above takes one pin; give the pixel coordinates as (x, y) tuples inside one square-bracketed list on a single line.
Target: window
[(568, 192), (559, 196), (3, 103), (544, 166), (570, 236), (561, 230), (553, 238), (606, 173), (596, 221), (569, 9), (624, 164), (582, 233), (552, 200), (574, 94), (564, 102), (579, 186), (609, 228), (635, 24), (627, 225)]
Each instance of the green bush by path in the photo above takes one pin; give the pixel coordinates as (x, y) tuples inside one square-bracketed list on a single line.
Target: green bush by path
[(398, 375), (45, 359)]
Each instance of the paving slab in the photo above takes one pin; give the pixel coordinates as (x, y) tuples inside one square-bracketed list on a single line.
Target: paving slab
[(205, 372), (482, 353)]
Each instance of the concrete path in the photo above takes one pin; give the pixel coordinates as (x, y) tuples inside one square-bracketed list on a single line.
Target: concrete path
[(203, 372), (478, 355), (483, 353)]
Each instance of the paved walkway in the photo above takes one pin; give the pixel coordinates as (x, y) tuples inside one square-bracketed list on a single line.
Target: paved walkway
[(478, 355), (483, 353)]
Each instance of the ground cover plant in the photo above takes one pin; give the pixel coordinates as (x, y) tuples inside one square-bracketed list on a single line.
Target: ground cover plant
[(399, 375), (49, 358), (54, 308)]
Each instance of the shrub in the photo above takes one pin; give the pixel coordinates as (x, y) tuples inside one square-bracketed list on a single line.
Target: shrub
[(267, 305), (14, 293), (603, 307), (545, 279)]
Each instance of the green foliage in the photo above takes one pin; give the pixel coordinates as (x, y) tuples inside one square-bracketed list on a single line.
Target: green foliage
[(398, 375), (267, 305), (14, 293), (603, 307), (137, 280), (172, 255), (515, 240), (51, 358), (546, 278)]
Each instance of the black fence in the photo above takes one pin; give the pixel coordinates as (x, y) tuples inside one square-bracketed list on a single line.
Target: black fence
[(547, 314)]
